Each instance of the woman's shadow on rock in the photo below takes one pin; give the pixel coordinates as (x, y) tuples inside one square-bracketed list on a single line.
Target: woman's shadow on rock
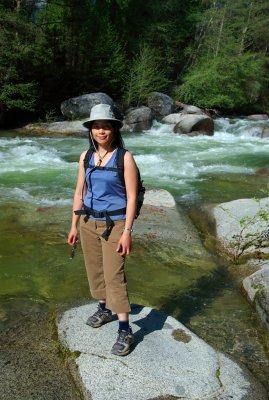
[(153, 321)]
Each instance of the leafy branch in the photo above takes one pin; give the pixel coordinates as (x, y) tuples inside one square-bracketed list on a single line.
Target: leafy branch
[(244, 240)]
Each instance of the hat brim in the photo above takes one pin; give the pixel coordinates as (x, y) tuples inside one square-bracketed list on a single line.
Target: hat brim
[(88, 124)]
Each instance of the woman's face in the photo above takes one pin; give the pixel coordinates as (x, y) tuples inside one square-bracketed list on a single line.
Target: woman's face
[(102, 132)]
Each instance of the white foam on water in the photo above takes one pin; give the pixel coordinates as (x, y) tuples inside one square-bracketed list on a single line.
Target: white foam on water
[(17, 194), (165, 159), (28, 155), (222, 168)]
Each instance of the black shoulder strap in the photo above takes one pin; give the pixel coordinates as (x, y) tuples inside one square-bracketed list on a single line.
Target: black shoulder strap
[(120, 157), (120, 163), (87, 158)]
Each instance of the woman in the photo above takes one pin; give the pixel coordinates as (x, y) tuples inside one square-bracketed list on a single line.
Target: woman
[(109, 203)]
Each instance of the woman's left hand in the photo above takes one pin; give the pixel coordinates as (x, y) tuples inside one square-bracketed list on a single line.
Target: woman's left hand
[(125, 244)]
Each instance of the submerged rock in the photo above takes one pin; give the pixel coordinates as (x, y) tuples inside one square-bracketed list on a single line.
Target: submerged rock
[(261, 131), (29, 358), (167, 360)]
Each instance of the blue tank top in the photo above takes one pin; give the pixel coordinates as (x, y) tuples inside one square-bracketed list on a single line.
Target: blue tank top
[(105, 191)]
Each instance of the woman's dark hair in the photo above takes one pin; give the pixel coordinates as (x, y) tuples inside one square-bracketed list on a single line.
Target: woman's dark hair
[(117, 138)]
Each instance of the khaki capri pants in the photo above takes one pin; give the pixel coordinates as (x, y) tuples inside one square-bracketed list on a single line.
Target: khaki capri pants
[(104, 265)]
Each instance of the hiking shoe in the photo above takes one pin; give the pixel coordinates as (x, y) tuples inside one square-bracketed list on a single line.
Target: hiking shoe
[(99, 318), (124, 341)]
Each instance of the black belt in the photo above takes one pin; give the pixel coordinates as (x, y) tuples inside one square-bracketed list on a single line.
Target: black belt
[(87, 211)]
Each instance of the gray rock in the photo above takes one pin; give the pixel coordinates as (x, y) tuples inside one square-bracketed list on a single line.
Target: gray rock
[(172, 118), (137, 119), (194, 122), (189, 109), (75, 128), (255, 117), (265, 133), (257, 289), (260, 131), (160, 104), (80, 107), (234, 237), (167, 360), (159, 198)]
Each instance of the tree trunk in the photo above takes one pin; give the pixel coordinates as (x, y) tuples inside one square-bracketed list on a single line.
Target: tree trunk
[(220, 32), (2, 113), (244, 31), (18, 5)]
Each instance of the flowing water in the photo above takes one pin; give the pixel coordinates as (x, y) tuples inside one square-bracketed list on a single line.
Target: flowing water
[(37, 179)]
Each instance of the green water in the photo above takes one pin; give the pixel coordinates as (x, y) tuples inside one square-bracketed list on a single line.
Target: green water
[(37, 180)]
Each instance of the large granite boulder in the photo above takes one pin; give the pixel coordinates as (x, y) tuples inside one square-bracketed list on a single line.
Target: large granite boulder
[(80, 107), (257, 289), (167, 361), (173, 118), (193, 124), (241, 229), (160, 104), (137, 119)]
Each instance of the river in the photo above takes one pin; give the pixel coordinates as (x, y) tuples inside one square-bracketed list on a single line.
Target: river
[(37, 179)]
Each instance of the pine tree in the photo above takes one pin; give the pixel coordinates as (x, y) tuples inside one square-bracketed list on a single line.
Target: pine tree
[(145, 76)]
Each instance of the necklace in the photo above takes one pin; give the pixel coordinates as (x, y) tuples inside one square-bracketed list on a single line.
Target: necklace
[(99, 162)]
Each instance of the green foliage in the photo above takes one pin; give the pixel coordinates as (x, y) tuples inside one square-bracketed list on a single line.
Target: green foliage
[(145, 76), (16, 48), (19, 95), (110, 63), (217, 51), (258, 239), (224, 81)]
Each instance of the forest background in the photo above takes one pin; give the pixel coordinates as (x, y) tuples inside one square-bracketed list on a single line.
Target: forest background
[(210, 53)]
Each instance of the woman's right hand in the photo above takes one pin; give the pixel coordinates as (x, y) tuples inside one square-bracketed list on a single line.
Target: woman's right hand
[(72, 237)]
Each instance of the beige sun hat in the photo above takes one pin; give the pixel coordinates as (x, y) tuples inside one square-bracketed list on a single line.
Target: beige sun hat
[(103, 112)]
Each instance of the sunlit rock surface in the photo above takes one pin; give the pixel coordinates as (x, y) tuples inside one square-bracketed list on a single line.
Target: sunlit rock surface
[(167, 360), (257, 289)]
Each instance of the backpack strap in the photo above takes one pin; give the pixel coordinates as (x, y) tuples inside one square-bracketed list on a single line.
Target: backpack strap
[(87, 158), (119, 160), (120, 163)]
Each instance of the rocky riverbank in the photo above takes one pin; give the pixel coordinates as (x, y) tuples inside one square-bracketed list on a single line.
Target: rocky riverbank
[(185, 119), (242, 235)]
